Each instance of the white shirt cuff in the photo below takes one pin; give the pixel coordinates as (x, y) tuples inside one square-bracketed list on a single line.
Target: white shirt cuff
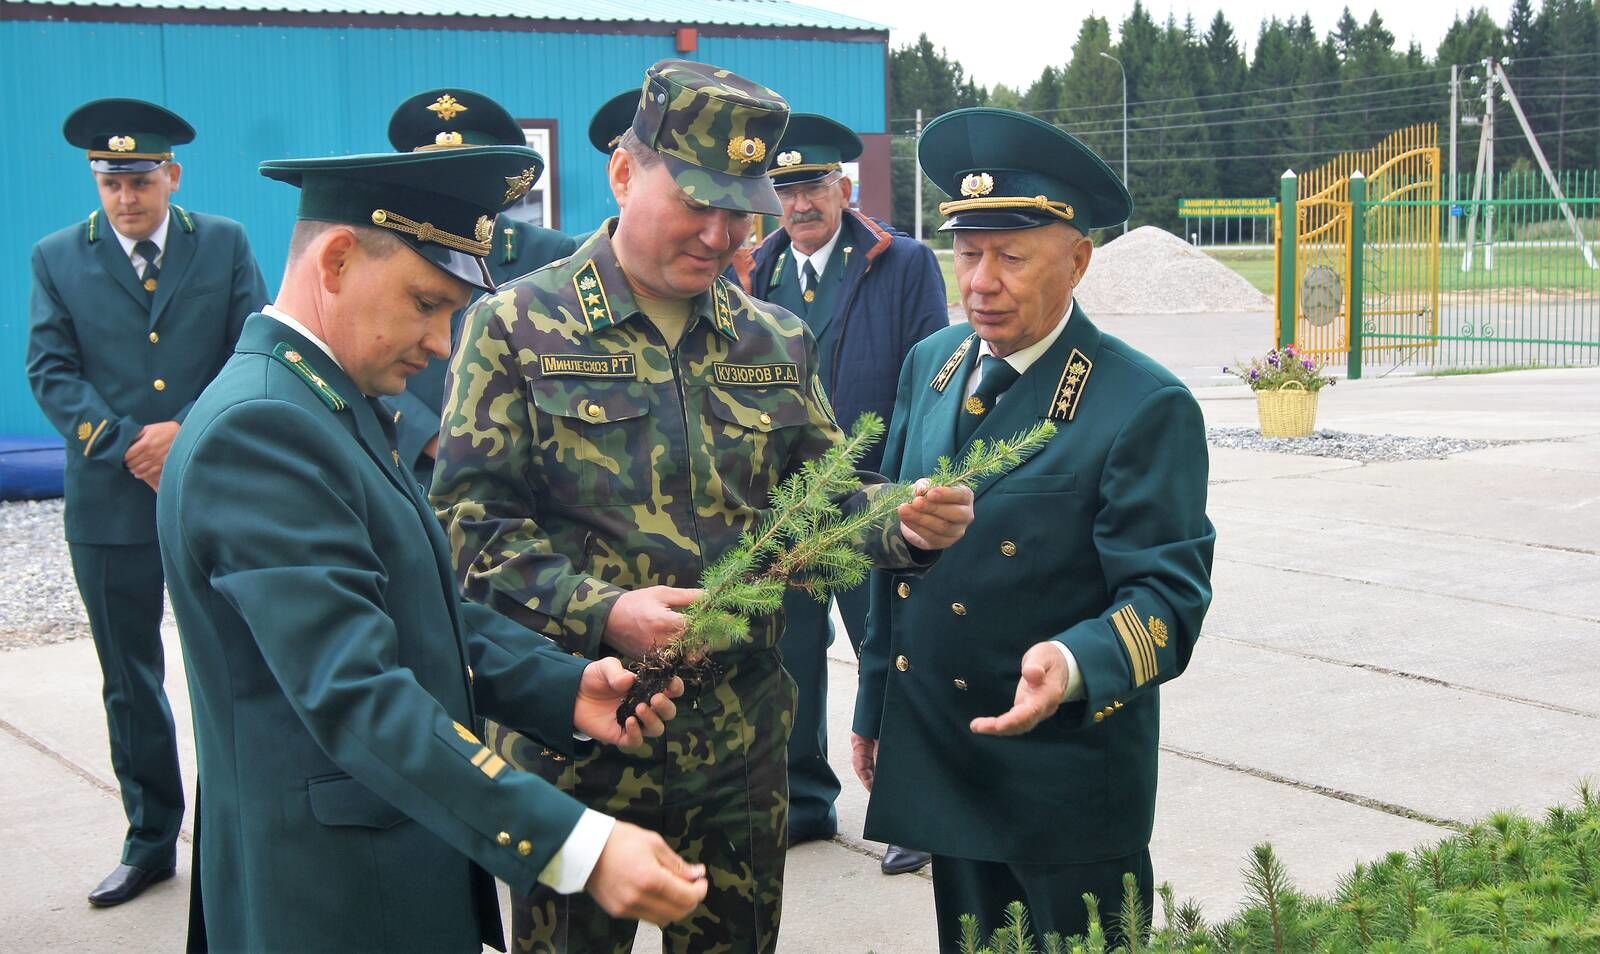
[(572, 865), (1074, 674)]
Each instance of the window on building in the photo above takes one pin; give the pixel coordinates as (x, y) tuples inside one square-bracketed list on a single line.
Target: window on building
[(541, 205)]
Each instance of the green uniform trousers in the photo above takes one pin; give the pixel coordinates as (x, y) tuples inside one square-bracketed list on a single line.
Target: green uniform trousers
[(1053, 894), (713, 786), (121, 589)]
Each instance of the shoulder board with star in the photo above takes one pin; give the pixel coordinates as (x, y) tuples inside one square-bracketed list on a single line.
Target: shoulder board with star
[(294, 361), (942, 379), (185, 220), (723, 307), (94, 225), (777, 270), (1069, 390), (592, 298)]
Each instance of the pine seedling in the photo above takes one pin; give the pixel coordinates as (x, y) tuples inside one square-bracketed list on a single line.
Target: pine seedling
[(807, 541)]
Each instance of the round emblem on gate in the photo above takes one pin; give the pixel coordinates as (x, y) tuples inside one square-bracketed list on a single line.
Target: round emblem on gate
[(1321, 295)]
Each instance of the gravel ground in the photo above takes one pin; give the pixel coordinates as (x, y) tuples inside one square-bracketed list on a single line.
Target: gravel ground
[(1150, 271), (1366, 448), (39, 602)]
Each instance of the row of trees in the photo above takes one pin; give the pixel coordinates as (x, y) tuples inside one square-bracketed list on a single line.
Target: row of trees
[(1206, 117)]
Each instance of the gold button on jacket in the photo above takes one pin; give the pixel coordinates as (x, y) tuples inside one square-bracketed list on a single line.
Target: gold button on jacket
[(1008, 548), (902, 663), (159, 385), (958, 609), (903, 590), (154, 337)]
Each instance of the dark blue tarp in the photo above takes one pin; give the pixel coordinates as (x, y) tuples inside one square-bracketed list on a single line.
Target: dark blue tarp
[(31, 468)]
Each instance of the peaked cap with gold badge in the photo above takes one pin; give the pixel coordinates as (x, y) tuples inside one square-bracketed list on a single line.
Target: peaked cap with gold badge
[(1008, 170), (126, 135), (713, 129), (442, 203), (612, 119), (450, 118), (812, 148)]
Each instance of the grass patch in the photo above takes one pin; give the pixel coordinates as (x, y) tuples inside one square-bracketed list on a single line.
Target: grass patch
[(1495, 369), (1545, 268)]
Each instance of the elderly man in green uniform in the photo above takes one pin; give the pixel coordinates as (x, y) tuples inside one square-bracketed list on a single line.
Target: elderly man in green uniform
[(1012, 692), (615, 423), (455, 118), (337, 676), (132, 312), (868, 293)]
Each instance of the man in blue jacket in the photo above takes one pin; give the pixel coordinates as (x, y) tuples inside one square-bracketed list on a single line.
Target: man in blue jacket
[(133, 312), (868, 294)]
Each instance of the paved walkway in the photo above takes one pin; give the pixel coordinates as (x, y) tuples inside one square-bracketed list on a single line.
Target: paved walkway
[(1393, 648)]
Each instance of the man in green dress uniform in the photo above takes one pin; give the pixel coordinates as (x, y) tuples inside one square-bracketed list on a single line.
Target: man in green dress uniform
[(455, 118), (338, 679), (132, 312), (616, 421), (1012, 693), (868, 293)]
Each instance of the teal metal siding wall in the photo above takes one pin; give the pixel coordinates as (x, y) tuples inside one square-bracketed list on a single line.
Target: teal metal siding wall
[(262, 92)]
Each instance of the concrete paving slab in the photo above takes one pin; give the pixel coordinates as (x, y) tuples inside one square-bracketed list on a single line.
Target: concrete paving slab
[(1495, 650), (1466, 497), (1229, 465), (59, 835), (1409, 559), (1425, 748)]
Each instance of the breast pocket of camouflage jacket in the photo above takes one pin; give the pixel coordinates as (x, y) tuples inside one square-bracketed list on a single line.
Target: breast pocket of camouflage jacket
[(754, 431), (593, 442)]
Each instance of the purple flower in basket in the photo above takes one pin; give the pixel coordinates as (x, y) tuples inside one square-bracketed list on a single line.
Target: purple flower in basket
[(1310, 365), (1272, 358), (1254, 374)]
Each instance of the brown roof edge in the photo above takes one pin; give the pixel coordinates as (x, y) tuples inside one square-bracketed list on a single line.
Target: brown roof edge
[(70, 12)]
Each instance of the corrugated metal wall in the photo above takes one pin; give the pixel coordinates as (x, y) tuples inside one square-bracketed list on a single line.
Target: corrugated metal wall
[(262, 92)]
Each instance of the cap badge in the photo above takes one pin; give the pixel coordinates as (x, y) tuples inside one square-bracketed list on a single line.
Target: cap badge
[(790, 158), (485, 229), (447, 107), (976, 184), (449, 139), (121, 144), (746, 149), (518, 186)]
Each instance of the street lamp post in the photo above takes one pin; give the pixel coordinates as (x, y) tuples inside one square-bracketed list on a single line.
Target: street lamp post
[(1124, 123)]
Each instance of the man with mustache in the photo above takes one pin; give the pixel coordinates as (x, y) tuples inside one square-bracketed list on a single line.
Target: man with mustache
[(133, 311), (868, 294), (615, 423)]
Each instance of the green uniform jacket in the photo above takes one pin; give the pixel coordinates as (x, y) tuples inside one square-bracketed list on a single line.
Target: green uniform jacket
[(1101, 541), (580, 457), (337, 677), (106, 357), (416, 409)]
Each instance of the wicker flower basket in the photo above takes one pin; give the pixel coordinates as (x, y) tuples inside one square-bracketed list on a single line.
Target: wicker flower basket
[(1290, 411)]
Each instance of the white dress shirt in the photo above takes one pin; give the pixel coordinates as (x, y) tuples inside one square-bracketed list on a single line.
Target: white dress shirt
[(159, 237), (1021, 360), (818, 259), (569, 870)]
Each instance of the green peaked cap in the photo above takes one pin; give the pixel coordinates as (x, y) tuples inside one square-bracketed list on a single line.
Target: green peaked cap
[(126, 135), (442, 204), (450, 118), (1008, 170), (812, 147), (612, 119)]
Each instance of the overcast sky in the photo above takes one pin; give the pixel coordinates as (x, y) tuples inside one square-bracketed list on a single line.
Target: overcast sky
[(1007, 41)]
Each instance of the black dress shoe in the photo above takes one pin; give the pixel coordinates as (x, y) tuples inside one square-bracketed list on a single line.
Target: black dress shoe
[(821, 831), (897, 860), (125, 884)]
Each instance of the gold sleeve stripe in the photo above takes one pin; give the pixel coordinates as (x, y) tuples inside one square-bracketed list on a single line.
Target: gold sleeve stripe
[(1135, 658), (481, 757), (89, 446), (494, 766), (1152, 662)]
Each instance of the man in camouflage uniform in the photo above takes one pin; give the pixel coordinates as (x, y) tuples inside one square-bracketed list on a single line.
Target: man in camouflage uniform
[(615, 422)]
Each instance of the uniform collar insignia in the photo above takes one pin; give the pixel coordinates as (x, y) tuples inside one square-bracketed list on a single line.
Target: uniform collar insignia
[(942, 379), (592, 297), (724, 309), (296, 362), (1069, 390)]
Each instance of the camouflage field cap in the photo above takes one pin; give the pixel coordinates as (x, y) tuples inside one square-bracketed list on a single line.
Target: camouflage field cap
[(442, 203), (714, 129), (1008, 170), (126, 135)]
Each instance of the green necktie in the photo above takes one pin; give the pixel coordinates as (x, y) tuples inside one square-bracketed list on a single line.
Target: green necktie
[(997, 375), (808, 288), (148, 250)]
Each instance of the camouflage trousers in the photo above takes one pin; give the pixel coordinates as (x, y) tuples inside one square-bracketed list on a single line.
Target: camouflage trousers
[(714, 786)]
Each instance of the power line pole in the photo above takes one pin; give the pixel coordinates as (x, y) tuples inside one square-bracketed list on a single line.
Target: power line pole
[(916, 175), (1488, 184), (1544, 164), (1455, 92)]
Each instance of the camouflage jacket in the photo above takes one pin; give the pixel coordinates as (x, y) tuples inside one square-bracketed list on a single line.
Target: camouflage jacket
[(581, 457)]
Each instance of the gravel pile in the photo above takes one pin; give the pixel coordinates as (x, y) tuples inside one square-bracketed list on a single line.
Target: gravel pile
[(39, 601), (1150, 271), (1366, 448)]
